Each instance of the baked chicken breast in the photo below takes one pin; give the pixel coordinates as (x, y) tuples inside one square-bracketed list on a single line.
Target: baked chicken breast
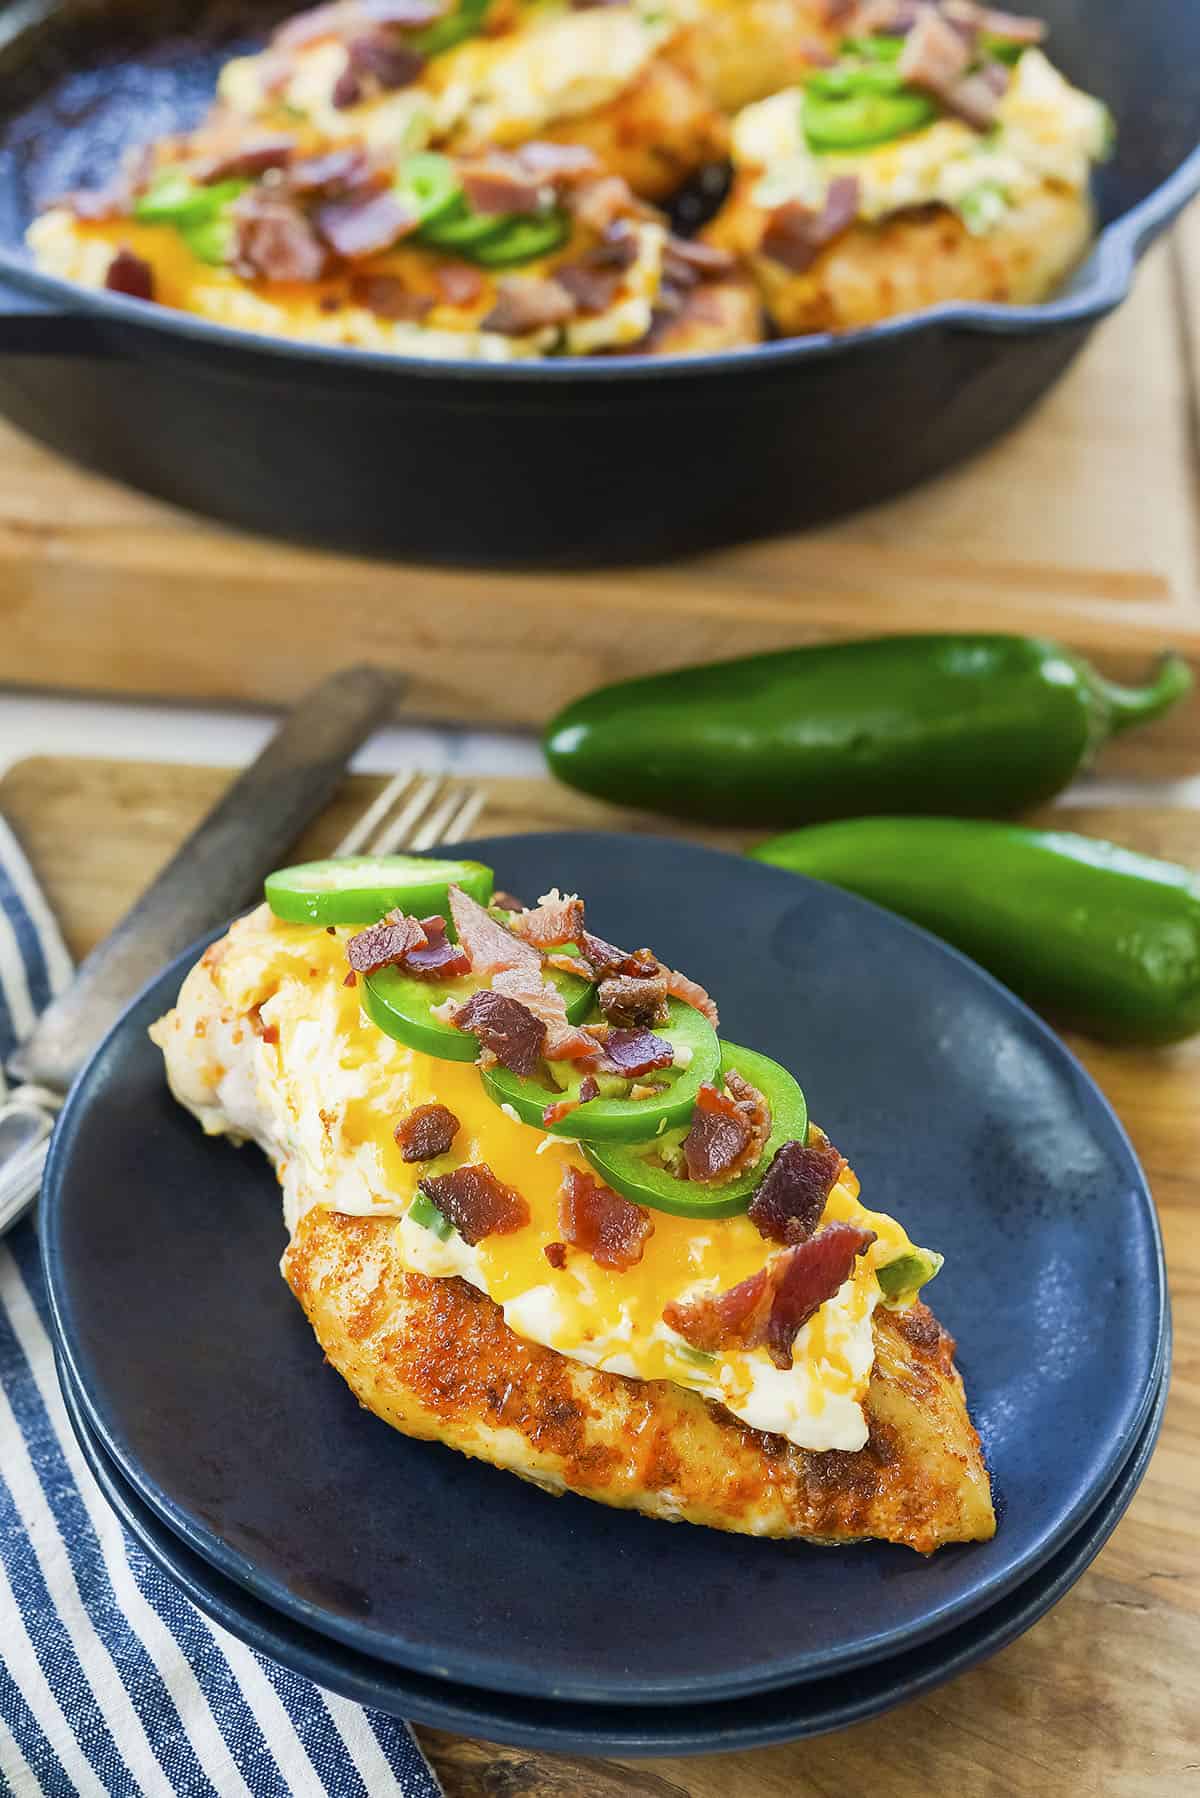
[(474, 1283)]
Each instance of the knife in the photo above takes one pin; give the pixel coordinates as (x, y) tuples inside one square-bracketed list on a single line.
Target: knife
[(216, 873)]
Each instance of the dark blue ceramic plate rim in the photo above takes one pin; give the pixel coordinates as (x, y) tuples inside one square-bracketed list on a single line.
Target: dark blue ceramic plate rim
[(468, 1666), (790, 1713), (1101, 285)]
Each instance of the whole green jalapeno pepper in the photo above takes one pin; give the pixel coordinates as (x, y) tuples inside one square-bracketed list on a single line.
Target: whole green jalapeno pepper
[(1098, 936), (959, 724)]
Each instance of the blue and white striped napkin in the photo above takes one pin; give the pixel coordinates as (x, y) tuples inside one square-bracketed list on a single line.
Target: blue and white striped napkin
[(112, 1684)]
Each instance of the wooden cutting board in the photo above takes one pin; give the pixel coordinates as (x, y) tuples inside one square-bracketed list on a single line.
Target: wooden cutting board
[(1100, 1698), (1084, 522)]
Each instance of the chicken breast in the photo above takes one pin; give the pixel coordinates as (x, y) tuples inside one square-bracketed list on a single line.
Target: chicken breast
[(435, 1359), (559, 1366), (913, 259), (738, 51)]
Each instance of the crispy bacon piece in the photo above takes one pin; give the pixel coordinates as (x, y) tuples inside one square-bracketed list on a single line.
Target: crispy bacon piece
[(553, 921), (476, 1203), (499, 182), (253, 157), (332, 173), (731, 1319), (935, 55), (719, 1138), (376, 63), (606, 958), (593, 1217), (976, 98), (791, 1198), (461, 285), (383, 945), (559, 164), (635, 1052), (796, 234), (526, 303), (439, 959), (556, 1253), (804, 1277), (489, 946), (387, 297), (426, 1133), (593, 289), (364, 224), (598, 201), (507, 1029), (275, 239), (704, 261), (690, 992), (130, 274), (626, 1001), (530, 988)]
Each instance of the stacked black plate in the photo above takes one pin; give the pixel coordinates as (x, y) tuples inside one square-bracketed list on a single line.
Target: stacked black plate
[(442, 1590)]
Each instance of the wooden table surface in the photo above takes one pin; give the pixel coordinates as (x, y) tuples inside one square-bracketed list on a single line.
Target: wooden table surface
[(1103, 1695)]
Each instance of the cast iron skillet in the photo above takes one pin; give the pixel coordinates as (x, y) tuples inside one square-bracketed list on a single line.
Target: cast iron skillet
[(566, 462)]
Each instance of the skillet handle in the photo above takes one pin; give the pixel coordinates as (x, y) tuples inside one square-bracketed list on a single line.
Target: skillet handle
[(31, 325)]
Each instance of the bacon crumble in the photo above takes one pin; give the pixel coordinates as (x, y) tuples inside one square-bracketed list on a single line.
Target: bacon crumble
[(438, 958), (476, 1202), (630, 1001), (805, 1277), (384, 944), (507, 1029), (772, 1306), (556, 1254), (426, 1133), (796, 234), (718, 1138), (130, 275), (632, 1053), (792, 1196), (593, 1217)]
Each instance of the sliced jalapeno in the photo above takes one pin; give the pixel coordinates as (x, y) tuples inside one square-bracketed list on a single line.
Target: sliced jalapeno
[(454, 29), (359, 889), (904, 1277), (846, 79), (462, 230), (524, 236), (403, 1008), (428, 187), (209, 239), (614, 1116), (883, 47), (641, 1174), (174, 198), (864, 119)]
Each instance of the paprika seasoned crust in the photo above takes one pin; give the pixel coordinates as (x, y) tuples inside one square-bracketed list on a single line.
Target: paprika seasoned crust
[(434, 1358)]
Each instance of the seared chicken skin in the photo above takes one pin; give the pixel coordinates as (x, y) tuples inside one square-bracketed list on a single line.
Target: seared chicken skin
[(435, 1359)]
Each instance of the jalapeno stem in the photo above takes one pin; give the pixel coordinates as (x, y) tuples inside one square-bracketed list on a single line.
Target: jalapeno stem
[(1126, 706)]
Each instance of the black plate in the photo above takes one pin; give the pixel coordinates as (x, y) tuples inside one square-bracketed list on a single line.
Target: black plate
[(960, 1111), (810, 1709)]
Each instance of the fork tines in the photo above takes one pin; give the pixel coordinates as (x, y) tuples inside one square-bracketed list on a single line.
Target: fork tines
[(414, 811)]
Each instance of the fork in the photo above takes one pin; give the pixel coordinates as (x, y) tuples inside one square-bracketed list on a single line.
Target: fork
[(413, 811)]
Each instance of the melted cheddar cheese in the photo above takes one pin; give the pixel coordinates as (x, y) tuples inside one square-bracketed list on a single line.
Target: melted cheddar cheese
[(268, 1042)]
